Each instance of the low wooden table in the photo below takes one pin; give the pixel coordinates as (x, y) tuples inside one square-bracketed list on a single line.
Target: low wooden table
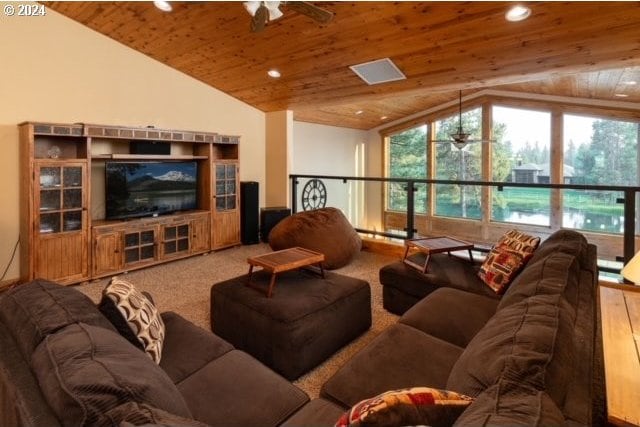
[(284, 260), (434, 245), (620, 311)]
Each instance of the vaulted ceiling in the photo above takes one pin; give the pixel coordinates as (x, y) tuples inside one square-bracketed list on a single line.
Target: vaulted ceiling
[(578, 49)]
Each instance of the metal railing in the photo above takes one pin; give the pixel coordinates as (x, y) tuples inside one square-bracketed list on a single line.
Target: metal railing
[(629, 200)]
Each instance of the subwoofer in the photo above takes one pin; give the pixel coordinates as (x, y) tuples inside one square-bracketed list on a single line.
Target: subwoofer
[(269, 217), (249, 195)]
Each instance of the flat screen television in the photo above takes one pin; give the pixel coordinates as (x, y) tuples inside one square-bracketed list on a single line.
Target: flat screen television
[(137, 189)]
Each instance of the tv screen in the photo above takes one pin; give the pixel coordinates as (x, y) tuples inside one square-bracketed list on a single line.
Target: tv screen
[(135, 189)]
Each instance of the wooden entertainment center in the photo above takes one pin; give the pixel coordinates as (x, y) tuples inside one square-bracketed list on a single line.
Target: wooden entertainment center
[(63, 234)]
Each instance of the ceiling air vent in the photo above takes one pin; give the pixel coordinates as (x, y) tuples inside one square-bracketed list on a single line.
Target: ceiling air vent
[(378, 71)]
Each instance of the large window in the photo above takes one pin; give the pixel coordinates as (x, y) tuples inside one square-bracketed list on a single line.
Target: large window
[(598, 151), (521, 154), (407, 159), (459, 164)]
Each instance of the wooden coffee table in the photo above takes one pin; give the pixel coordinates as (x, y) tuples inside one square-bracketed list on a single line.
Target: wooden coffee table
[(434, 245), (284, 260)]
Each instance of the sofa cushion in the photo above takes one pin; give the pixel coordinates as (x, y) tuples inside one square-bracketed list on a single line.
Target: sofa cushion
[(445, 314), (529, 342), (84, 371), (318, 412), (506, 259), (134, 316), (36, 309), (566, 241), (187, 347), (237, 390), (557, 273), (508, 403), (399, 357), (324, 230), (407, 407)]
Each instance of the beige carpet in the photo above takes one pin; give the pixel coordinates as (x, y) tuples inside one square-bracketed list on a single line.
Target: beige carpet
[(184, 287)]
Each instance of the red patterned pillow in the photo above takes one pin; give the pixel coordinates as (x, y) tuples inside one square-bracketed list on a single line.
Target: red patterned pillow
[(506, 259), (520, 242), (409, 406)]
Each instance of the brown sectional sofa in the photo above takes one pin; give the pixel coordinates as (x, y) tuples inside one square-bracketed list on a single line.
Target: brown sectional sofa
[(532, 357)]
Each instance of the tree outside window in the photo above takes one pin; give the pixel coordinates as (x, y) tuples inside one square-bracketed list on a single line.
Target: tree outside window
[(599, 152), (459, 164), (408, 159)]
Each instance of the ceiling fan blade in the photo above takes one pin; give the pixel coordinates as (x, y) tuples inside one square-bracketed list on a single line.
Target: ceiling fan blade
[(260, 18), (314, 12)]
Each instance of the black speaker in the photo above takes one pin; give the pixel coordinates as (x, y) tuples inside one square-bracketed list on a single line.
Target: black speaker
[(269, 217), (149, 147), (249, 194)]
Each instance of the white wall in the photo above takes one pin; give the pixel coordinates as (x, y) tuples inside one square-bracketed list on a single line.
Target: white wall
[(54, 69), (335, 151)]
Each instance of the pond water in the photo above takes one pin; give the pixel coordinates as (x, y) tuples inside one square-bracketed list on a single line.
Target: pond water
[(578, 220)]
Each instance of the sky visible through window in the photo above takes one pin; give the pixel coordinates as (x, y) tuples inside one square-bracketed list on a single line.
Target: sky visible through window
[(534, 126)]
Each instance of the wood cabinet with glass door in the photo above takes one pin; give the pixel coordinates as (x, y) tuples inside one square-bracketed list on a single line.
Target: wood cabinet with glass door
[(54, 191), (226, 210)]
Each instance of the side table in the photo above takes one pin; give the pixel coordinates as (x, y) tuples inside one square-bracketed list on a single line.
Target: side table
[(434, 245), (284, 260)]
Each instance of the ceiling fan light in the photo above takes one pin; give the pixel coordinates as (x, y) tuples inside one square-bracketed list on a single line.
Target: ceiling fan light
[(251, 7), (459, 144), (517, 13), (163, 5), (460, 137)]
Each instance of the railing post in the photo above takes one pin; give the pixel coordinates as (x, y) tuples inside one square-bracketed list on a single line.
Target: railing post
[(629, 225), (410, 208), (294, 193)]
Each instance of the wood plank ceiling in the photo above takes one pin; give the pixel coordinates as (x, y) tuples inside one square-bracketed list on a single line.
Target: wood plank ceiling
[(580, 49)]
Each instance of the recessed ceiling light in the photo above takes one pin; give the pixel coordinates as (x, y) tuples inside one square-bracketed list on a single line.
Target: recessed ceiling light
[(621, 95), (517, 13), (274, 73), (359, 112), (163, 5), (383, 118), (631, 82)]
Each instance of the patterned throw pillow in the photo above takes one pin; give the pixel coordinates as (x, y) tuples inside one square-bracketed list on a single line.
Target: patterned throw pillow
[(134, 316), (407, 407), (506, 259)]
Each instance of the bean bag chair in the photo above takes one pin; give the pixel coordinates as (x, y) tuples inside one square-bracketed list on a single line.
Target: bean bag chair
[(324, 230)]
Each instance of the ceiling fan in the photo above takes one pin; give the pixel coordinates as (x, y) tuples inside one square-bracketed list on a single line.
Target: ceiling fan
[(460, 139), (265, 11)]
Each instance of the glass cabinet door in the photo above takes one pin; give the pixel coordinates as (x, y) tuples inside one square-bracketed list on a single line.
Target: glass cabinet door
[(61, 200), (226, 186)]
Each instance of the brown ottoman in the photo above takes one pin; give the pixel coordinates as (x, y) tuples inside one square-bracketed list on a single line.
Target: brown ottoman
[(301, 325)]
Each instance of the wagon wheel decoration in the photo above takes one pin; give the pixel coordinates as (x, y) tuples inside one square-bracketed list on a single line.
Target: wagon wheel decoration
[(314, 195)]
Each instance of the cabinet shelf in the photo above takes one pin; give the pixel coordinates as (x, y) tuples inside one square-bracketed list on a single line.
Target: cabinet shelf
[(145, 157)]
